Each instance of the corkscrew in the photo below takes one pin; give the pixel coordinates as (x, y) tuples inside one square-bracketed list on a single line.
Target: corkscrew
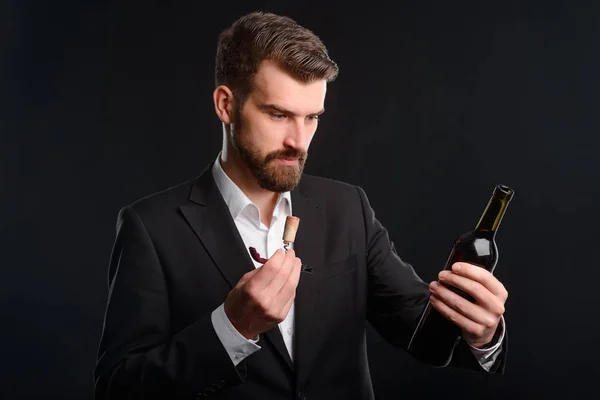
[(256, 257), (289, 235)]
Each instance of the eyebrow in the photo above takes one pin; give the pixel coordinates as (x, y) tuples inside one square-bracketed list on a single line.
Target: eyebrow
[(283, 110)]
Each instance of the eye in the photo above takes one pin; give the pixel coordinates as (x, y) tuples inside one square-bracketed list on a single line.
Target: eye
[(313, 117), (277, 116)]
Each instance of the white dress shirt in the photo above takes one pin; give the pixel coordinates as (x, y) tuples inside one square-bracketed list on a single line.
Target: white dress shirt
[(266, 240)]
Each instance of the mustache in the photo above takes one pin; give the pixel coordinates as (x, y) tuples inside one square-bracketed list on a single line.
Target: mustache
[(286, 153)]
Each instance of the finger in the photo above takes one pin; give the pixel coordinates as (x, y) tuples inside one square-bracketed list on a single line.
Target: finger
[(281, 274), (247, 276), (289, 287), (480, 293), (286, 308), (483, 276), (454, 316), (474, 312), (287, 294), (268, 270)]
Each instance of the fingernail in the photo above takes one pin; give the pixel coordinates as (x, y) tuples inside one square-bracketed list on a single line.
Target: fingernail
[(443, 274), (456, 267)]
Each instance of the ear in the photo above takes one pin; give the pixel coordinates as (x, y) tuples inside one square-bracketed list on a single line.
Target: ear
[(223, 99)]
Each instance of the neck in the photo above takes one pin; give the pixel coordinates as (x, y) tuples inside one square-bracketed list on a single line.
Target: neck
[(235, 169)]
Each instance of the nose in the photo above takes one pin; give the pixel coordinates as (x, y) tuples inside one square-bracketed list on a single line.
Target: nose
[(298, 135)]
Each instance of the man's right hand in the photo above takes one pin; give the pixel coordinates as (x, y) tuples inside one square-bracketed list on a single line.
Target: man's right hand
[(263, 297)]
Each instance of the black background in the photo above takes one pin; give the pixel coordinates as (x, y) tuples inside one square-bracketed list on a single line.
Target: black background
[(436, 102)]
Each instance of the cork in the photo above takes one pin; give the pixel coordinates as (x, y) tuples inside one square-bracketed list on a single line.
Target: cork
[(291, 227)]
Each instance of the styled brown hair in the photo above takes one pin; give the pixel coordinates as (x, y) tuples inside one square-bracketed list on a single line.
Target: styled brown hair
[(261, 36)]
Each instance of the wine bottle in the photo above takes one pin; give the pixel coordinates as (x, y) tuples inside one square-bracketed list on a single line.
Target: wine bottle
[(435, 336)]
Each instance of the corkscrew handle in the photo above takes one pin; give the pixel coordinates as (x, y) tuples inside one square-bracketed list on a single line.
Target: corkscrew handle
[(256, 257)]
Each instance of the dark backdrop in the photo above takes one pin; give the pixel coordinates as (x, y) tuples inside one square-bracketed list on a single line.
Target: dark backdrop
[(436, 102)]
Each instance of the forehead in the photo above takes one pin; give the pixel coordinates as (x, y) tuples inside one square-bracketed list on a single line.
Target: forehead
[(273, 85)]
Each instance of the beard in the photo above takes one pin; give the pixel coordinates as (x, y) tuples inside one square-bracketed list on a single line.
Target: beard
[(269, 174)]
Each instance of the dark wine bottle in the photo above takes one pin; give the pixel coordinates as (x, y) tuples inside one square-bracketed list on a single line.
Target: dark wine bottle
[(435, 336)]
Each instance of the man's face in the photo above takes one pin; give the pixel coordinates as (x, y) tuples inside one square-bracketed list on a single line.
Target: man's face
[(273, 130)]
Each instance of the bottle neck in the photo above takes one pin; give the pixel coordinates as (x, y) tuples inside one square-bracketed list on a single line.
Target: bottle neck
[(494, 212)]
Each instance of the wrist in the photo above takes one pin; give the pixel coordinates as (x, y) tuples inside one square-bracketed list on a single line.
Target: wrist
[(487, 343), (248, 335)]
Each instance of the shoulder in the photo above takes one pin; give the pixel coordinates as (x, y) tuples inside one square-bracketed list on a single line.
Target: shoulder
[(333, 191), (327, 184), (163, 203)]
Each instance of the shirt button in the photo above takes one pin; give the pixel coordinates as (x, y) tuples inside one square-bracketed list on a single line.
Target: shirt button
[(289, 331)]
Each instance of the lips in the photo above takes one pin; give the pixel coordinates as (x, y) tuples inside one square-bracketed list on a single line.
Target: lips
[(288, 161)]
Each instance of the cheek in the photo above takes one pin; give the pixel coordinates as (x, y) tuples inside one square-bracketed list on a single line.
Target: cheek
[(267, 136)]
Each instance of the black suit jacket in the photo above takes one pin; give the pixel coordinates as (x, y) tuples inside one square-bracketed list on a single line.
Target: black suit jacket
[(178, 253)]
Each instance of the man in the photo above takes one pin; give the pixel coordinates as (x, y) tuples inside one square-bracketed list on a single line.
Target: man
[(191, 314)]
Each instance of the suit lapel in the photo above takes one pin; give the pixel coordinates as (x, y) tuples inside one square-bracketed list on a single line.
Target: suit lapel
[(310, 247), (212, 223)]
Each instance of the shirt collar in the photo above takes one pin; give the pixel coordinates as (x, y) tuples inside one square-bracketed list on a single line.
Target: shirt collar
[(236, 199)]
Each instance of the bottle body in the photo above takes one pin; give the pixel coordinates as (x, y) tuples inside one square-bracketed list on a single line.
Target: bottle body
[(435, 336)]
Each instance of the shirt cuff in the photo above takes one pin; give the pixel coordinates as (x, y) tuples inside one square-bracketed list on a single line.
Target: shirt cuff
[(487, 356), (237, 346)]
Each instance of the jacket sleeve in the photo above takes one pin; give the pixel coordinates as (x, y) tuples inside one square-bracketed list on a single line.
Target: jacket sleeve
[(397, 295), (139, 356)]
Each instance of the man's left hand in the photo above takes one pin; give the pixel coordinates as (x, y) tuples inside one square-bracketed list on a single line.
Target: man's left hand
[(479, 320)]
